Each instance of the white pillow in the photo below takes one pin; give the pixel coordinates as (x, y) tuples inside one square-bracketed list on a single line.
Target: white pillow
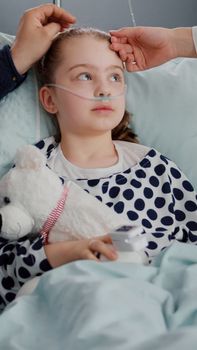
[(22, 119), (163, 101)]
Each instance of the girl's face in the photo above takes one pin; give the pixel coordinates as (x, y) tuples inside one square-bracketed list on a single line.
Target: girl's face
[(88, 67)]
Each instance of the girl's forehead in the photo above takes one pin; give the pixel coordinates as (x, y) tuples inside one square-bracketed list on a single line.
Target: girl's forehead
[(85, 38), (87, 47)]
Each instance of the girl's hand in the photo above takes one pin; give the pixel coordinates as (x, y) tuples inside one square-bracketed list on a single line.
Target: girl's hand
[(146, 47), (64, 252), (91, 249), (35, 33)]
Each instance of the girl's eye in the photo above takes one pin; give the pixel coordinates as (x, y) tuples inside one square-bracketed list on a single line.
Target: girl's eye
[(85, 76), (116, 78)]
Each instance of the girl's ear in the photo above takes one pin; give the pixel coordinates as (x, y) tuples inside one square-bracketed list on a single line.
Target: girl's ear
[(47, 99)]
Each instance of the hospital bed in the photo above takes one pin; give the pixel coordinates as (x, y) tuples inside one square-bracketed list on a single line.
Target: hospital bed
[(89, 306)]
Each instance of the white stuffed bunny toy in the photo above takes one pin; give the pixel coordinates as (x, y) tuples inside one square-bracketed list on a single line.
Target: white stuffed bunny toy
[(33, 199)]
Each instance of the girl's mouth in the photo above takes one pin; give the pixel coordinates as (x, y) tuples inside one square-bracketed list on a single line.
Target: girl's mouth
[(102, 108)]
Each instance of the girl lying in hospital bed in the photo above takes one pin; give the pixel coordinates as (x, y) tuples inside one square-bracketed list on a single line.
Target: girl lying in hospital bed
[(84, 87)]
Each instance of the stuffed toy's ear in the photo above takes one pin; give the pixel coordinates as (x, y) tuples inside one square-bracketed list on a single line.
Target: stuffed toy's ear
[(29, 157)]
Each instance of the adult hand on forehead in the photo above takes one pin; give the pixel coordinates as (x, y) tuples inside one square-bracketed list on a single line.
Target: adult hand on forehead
[(36, 30), (146, 47)]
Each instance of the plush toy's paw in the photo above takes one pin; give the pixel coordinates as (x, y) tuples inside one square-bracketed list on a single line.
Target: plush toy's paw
[(14, 222)]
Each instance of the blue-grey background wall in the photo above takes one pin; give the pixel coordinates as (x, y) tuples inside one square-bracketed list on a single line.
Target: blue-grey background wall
[(108, 14)]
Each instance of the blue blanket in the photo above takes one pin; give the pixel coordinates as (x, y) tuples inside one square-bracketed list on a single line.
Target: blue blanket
[(87, 305)]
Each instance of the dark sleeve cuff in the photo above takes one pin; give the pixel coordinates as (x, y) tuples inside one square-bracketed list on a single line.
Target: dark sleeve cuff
[(10, 79)]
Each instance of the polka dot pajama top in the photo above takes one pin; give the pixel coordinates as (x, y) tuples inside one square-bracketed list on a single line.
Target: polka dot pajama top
[(143, 186)]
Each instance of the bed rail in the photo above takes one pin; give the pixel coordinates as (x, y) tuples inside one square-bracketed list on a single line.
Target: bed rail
[(57, 2)]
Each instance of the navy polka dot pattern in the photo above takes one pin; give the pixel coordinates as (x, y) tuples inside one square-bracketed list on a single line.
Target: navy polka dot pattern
[(132, 215), (18, 263), (154, 194)]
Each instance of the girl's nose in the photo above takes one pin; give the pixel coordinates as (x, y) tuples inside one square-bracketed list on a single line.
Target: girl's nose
[(102, 90), (101, 94)]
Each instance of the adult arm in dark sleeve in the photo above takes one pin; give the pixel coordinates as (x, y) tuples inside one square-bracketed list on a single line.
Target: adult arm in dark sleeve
[(10, 79), (36, 30)]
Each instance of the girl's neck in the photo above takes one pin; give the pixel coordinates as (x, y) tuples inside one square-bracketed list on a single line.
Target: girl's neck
[(91, 152)]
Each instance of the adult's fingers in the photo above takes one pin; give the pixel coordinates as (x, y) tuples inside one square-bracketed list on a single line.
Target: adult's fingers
[(127, 57), (125, 31), (49, 11), (52, 29), (131, 66), (121, 40), (119, 46)]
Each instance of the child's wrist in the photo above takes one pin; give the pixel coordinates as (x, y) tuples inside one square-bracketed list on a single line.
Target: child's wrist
[(56, 253)]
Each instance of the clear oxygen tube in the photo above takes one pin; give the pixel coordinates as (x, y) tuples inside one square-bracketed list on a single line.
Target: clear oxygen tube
[(84, 95)]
